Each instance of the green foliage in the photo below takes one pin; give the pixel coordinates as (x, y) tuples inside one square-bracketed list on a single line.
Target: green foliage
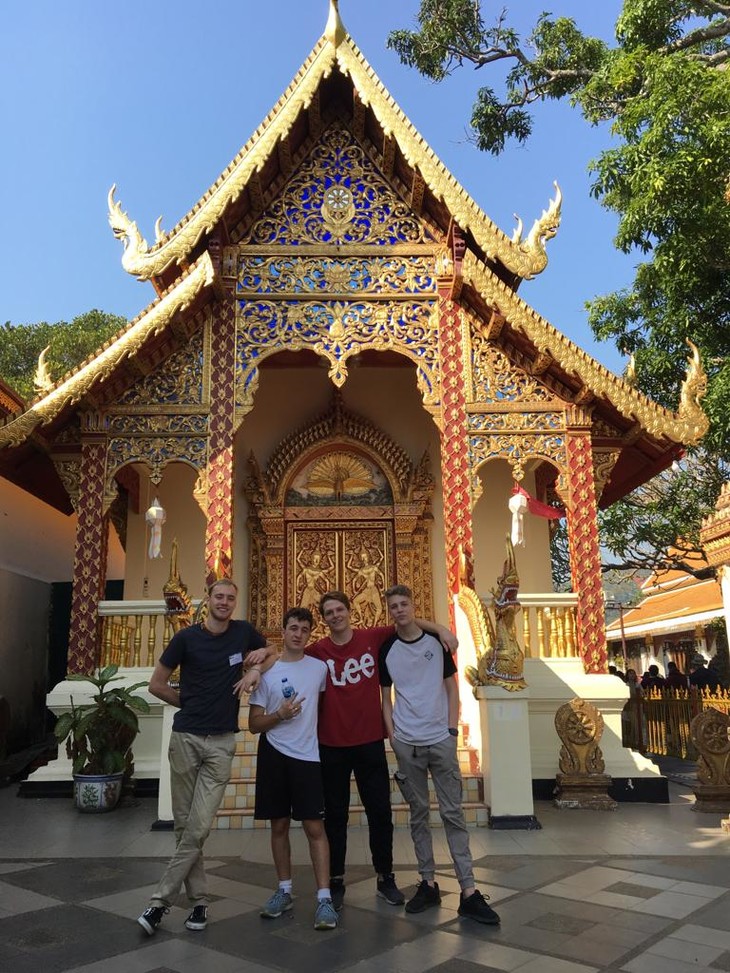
[(664, 90), (70, 343), (99, 735)]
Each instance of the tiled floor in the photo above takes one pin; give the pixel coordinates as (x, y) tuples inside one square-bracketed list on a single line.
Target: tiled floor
[(643, 889)]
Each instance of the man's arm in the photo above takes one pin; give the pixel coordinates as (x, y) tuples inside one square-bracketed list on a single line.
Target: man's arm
[(259, 721), (445, 636), (452, 696), (263, 660), (386, 696), (159, 685)]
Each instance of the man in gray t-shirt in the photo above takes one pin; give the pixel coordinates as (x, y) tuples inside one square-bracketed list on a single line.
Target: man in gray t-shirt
[(423, 731)]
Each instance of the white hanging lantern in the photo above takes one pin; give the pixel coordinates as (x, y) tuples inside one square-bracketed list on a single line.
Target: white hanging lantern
[(155, 517)]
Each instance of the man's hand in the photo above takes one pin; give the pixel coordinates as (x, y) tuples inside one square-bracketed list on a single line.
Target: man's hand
[(256, 657), (447, 638), (247, 683), (291, 707)]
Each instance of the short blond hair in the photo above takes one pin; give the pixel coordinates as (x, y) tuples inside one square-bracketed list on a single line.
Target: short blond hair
[(228, 582)]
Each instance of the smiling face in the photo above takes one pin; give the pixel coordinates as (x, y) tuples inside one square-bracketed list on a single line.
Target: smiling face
[(222, 601), (336, 617)]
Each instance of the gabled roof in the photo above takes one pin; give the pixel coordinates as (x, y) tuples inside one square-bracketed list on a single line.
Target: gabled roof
[(335, 77), (688, 603)]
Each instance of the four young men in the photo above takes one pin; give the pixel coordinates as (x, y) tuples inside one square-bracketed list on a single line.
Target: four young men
[(321, 718)]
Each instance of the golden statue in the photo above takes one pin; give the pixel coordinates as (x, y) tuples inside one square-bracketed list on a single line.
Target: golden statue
[(500, 660), (368, 584), (312, 580)]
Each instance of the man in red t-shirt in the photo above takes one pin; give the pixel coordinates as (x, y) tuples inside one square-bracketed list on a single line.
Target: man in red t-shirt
[(351, 739)]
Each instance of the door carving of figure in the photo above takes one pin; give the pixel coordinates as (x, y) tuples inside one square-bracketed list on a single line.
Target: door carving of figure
[(342, 556)]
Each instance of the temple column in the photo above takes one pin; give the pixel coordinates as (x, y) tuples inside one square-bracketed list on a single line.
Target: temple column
[(90, 553), (455, 484), (585, 553), (219, 527)]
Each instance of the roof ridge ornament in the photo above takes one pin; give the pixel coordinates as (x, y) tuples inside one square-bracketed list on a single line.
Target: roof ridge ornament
[(127, 230), (335, 30), (543, 229)]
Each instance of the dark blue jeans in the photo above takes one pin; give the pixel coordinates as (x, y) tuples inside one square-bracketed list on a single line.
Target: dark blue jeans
[(370, 766)]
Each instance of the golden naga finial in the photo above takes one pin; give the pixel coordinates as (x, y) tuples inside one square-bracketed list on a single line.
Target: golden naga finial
[(630, 370), (159, 232), (335, 30), (693, 391), (125, 229), (544, 228), (42, 381)]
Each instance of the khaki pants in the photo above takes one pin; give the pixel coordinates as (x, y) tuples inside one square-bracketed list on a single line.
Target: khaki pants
[(200, 768)]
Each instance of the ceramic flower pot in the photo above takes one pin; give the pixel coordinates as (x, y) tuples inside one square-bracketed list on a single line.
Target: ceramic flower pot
[(97, 792)]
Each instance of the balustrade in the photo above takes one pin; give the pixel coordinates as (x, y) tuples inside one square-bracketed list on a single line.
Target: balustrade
[(133, 633), (548, 625)]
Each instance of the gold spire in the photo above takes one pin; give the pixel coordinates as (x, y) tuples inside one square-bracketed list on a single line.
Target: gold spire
[(335, 30)]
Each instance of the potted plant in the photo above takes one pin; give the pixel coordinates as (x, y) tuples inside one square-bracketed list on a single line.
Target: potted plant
[(99, 737)]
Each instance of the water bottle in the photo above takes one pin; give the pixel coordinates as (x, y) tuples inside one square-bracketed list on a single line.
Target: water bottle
[(287, 690)]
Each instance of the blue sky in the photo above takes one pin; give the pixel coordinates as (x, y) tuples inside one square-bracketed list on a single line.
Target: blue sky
[(157, 97)]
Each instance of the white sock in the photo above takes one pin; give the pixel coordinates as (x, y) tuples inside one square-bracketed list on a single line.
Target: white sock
[(323, 894), (286, 886)]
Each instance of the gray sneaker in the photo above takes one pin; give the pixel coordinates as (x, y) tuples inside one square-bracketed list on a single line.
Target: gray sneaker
[(279, 902), (326, 916)]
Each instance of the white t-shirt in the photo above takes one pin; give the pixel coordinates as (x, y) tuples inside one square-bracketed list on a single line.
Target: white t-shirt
[(296, 737)]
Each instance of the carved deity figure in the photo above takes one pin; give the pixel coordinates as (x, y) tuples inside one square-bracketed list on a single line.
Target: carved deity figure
[(368, 585), (312, 580)]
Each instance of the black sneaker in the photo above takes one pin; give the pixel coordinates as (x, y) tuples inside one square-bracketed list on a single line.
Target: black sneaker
[(475, 907), (151, 918), (198, 918), (388, 890), (337, 892), (426, 897)]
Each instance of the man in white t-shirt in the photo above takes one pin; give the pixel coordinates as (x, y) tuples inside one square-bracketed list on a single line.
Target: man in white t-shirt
[(284, 709), (423, 731)]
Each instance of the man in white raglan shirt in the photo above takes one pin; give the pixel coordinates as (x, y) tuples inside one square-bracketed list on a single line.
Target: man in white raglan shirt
[(423, 731), (284, 709)]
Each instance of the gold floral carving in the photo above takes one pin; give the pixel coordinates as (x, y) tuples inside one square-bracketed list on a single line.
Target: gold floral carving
[(338, 196), (69, 471), (518, 448), (336, 331), (688, 425), (497, 380), (604, 461), (155, 452), (367, 276), (180, 382), (71, 389)]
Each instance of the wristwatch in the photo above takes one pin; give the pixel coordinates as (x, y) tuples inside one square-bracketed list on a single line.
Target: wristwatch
[(453, 731)]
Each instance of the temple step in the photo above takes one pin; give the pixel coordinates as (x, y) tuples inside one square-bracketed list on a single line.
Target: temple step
[(236, 811)]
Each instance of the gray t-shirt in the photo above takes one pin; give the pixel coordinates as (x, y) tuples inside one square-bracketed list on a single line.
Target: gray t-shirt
[(418, 669), (296, 737)]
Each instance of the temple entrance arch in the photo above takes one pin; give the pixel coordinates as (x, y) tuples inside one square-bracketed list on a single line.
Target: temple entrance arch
[(339, 505)]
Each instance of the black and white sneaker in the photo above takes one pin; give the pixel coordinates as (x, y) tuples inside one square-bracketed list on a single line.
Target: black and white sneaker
[(426, 897), (198, 918), (475, 907), (388, 890), (151, 918)]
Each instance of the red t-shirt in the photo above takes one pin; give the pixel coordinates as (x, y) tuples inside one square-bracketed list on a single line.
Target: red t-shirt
[(350, 711)]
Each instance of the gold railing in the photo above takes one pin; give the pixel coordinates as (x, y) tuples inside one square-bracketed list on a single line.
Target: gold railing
[(659, 720), (548, 625), (133, 633)]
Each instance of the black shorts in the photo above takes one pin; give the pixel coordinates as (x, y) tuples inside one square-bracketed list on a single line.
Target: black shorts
[(286, 787)]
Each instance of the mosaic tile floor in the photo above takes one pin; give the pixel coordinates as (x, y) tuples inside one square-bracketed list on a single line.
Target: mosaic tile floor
[(71, 887)]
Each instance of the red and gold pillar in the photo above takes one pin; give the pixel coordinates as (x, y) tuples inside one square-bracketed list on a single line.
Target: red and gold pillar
[(458, 536), (90, 554), (585, 553), (219, 528)]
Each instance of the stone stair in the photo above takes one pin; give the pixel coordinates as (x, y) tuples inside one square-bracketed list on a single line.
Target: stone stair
[(236, 810)]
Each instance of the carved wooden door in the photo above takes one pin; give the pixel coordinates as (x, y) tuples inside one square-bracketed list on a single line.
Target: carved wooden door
[(354, 556)]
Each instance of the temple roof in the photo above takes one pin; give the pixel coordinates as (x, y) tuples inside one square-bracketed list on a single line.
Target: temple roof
[(673, 602), (335, 81)]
